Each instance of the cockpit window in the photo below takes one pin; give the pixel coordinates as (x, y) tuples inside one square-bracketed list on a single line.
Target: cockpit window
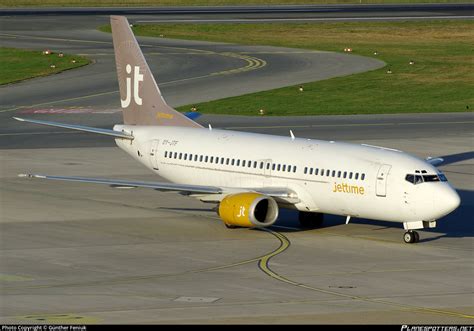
[(430, 178), (414, 179), (442, 177), (418, 179)]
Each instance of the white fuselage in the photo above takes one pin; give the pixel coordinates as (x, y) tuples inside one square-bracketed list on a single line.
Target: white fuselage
[(351, 180)]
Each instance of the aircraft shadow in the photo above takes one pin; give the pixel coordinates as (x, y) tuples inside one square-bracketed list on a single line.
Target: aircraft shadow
[(458, 224), (453, 158)]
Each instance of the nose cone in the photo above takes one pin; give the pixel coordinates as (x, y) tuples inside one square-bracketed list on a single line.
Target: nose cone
[(446, 200)]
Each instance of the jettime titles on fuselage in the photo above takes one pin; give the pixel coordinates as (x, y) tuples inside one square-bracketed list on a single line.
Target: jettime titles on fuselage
[(346, 188)]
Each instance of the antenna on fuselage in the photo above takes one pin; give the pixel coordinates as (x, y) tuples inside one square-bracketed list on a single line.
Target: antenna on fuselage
[(292, 135)]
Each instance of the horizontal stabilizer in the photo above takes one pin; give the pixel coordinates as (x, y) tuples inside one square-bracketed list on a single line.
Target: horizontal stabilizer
[(106, 132), (192, 115)]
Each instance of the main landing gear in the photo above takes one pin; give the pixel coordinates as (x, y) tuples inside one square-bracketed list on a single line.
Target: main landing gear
[(411, 237), (310, 220)]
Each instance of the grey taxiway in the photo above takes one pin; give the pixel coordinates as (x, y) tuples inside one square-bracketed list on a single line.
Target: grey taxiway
[(79, 253)]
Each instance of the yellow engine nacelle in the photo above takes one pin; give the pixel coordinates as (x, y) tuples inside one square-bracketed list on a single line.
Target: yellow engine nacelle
[(248, 210)]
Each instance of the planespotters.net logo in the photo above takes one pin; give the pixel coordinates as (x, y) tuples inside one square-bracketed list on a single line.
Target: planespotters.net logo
[(437, 328)]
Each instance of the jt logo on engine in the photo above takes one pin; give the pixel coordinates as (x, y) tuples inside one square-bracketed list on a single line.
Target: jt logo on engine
[(137, 78), (241, 212)]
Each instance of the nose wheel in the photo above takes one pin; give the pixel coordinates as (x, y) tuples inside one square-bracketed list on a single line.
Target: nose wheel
[(411, 237)]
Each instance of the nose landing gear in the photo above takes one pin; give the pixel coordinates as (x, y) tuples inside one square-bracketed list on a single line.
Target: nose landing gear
[(411, 237)]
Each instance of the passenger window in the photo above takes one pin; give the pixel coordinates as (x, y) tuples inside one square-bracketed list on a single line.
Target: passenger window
[(334, 173), (206, 159), (238, 162), (255, 164), (243, 163), (356, 175), (339, 174), (345, 174), (362, 176), (310, 171), (195, 157), (327, 172), (211, 160), (222, 160), (350, 175), (268, 165), (294, 168), (232, 162), (175, 155), (289, 168), (200, 158), (261, 165), (273, 166), (180, 156), (305, 170), (316, 171), (217, 160), (283, 167), (185, 156), (227, 161)]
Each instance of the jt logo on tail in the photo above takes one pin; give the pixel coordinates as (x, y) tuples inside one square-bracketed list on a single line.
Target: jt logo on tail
[(137, 77)]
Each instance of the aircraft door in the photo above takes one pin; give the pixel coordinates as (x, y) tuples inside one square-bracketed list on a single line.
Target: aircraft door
[(381, 184), (154, 153)]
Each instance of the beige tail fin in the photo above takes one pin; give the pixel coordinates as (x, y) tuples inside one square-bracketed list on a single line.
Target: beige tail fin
[(141, 99)]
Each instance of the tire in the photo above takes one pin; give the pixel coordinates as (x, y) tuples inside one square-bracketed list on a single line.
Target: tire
[(417, 236), (409, 237)]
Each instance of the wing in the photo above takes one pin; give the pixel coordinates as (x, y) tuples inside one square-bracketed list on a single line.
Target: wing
[(186, 189), (204, 193), (435, 161)]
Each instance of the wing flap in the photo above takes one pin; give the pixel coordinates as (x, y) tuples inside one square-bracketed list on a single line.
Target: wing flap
[(203, 193)]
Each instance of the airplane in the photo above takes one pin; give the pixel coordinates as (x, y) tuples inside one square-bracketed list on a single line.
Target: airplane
[(251, 176)]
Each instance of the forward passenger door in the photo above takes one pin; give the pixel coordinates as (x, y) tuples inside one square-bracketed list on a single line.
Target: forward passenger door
[(381, 184)]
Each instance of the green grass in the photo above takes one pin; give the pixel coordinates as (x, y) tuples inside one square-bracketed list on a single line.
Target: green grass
[(441, 80), (137, 3), (20, 64)]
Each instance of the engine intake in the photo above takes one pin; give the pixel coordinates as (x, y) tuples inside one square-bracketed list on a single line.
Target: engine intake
[(248, 210)]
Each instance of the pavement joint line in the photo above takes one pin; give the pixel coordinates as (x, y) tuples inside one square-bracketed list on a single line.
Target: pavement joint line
[(339, 125), (285, 244), (258, 20)]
